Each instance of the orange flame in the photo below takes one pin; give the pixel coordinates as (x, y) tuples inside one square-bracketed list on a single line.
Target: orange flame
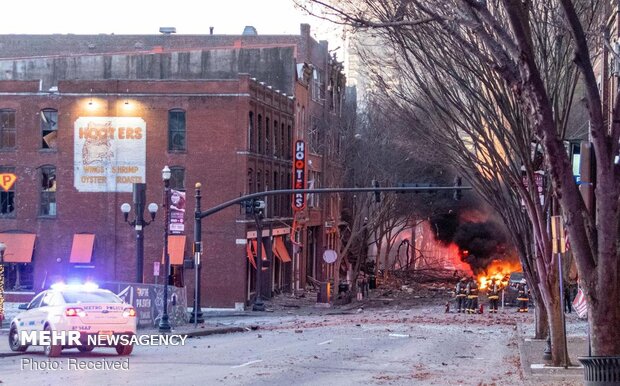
[(499, 270)]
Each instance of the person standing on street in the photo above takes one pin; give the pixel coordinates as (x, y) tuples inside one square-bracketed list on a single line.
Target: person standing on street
[(522, 296), (461, 295), (493, 295), (472, 296)]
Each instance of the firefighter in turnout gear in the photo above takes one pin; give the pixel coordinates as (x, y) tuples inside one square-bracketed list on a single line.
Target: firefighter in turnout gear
[(472, 296), (493, 295), (461, 295), (522, 296)]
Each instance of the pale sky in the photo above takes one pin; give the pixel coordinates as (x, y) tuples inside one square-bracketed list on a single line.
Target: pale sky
[(146, 16)]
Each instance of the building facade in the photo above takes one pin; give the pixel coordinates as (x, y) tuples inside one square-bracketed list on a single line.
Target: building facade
[(238, 139)]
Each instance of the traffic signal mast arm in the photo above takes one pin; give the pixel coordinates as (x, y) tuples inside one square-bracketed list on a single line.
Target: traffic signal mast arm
[(399, 189)]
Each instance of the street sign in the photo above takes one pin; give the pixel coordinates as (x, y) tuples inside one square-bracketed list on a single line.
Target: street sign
[(7, 180), (156, 268), (558, 235), (330, 256)]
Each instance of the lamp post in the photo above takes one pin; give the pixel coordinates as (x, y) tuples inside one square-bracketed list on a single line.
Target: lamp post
[(164, 324), (2, 249), (197, 316), (138, 223)]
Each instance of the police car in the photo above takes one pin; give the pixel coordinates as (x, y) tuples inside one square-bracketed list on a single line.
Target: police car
[(85, 308)]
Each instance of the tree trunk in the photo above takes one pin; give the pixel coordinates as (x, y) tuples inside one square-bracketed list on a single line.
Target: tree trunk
[(603, 320), (541, 320)]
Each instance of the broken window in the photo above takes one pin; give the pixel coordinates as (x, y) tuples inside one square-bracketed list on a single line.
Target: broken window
[(176, 130), (49, 128), (47, 205), (7, 198), (7, 129)]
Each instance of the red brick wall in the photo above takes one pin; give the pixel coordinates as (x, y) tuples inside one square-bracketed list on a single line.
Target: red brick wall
[(216, 138)]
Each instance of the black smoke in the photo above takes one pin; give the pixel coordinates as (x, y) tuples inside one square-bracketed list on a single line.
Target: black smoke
[(479, 243)]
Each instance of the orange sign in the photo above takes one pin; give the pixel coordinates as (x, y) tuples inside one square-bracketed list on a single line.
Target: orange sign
[(7, 180)]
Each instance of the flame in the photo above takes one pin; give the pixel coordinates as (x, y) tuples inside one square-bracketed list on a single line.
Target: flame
[(499, 270)]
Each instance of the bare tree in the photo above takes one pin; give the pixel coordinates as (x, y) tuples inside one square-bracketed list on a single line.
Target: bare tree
[(504, 36)]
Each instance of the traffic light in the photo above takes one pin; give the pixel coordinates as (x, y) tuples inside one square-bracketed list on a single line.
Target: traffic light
[(458, 193), (375, 184)]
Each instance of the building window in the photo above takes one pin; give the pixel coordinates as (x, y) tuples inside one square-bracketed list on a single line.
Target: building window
[(289, 141), (250, 181), (313, 134), (7, 129), (18, 276), (177, 178), (258, 181), (318, 92), (314, 183), (276, 199), (7, 199), (47, 206), (283, 142), (251, 133), (176, 130), (267, 137), (260, 134), (49, 128), (276, 150)]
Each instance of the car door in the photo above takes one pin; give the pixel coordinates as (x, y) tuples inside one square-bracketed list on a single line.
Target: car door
[(26, 320)]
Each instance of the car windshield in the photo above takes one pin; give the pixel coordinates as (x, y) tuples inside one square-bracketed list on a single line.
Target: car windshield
[(90, 297)]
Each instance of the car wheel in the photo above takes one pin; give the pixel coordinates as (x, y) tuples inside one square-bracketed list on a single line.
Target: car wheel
[(124, 349), (85, 348), (52, 350), (14, 340)]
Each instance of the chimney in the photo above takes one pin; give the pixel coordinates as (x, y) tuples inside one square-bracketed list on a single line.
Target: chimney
[(210, 30)]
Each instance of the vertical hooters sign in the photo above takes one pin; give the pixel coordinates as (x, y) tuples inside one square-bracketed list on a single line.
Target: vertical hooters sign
[(299, 175)]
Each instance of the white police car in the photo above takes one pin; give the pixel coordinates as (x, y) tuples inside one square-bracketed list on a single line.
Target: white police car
[(86, 309)]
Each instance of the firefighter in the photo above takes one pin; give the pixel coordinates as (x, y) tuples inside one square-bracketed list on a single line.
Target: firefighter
[(461, 294), (472, 296), (522, 296), (493, 295)]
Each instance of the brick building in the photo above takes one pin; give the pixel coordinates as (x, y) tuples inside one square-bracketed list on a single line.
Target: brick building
[(239, 135)]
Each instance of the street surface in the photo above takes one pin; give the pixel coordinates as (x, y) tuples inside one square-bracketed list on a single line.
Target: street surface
[(419, 346)]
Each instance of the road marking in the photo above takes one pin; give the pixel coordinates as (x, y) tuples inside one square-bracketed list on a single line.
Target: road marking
[(247, 363), (326, 342)]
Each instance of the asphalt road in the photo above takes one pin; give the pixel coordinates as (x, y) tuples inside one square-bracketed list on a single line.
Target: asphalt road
[(373, 348)]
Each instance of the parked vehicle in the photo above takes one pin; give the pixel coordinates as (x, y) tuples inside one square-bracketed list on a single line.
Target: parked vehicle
[(511, 291)]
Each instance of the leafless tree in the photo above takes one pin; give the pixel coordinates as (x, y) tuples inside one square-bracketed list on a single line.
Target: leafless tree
[(504, 36)]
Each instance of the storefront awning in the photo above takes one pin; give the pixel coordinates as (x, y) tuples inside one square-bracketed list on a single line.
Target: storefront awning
[(19, 247), (250, 254), (264, 253), (280, 250), (82, 248)]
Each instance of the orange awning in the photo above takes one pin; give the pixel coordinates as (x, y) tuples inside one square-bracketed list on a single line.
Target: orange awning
[(280, 250), (248, 250), (19, 247), (176, 249), (264, 253), (82, 248)]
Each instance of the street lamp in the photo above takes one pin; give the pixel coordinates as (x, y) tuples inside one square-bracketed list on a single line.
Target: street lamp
[(139, 197), (197, 316), (2, 249), (164, 324)]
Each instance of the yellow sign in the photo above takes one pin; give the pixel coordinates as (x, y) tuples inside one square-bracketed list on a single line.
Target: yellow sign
[(7, 180), (557, 235)]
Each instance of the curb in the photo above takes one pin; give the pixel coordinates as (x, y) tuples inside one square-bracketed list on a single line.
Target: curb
[(215, 331), (10, 354)]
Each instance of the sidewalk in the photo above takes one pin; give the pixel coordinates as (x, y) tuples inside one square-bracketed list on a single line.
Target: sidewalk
[(537, 371)]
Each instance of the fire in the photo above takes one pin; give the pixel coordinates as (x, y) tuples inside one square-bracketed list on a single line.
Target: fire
[(499, 270)]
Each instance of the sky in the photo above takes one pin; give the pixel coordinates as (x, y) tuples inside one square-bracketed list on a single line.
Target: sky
[(146, 16)]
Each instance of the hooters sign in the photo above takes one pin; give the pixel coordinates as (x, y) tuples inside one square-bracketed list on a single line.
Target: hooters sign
[(299, 175)]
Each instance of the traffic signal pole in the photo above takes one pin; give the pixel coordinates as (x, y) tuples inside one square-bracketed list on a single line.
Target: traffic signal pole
[(199, 215)]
